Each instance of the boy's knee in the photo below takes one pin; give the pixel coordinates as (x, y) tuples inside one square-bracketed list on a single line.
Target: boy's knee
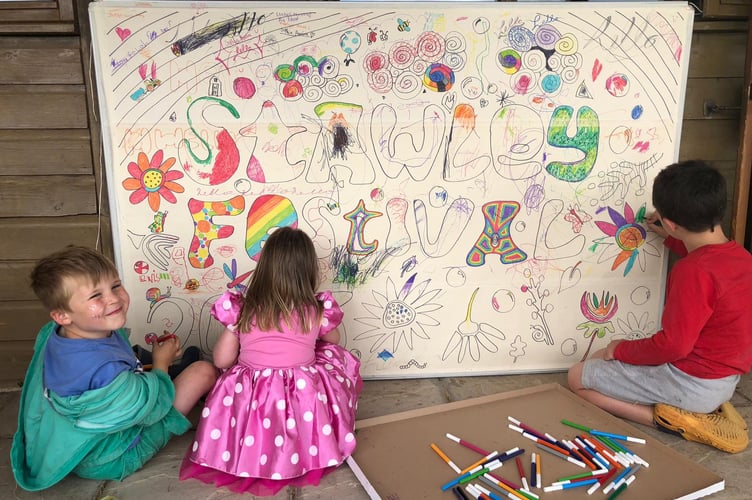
[(574, 376)]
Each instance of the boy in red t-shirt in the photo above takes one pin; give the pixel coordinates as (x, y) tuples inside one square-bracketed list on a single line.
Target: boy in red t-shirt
[(681, 378)]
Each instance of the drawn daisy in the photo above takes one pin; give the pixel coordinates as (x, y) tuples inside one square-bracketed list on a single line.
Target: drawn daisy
[(470, 336), (634, 328), (399, 316), (626, 240), (152, 179)]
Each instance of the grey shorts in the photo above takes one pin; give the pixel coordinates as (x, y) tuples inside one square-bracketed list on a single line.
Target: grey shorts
[(657, 384)]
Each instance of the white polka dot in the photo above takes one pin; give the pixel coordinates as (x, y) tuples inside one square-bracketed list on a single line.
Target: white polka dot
[(300, 384), (327, 429), (215, 434), (327, 304), (349, 437), (324, 322), (281, 373), (238, 388), (335, 409), (266, 423), (262, 459), (266, 372), (323, 398), (332, 463), (254, 405), (226, 305), (290, 423), (294, 458), (244, 474), (232, 422), (226, 456), (277, 476), (340, 378), (227, 401), (308, 416), (328, 353), (249, 440), (328, 366), (195, 445), (205, 412), (313, 450), (281, 404), (278, 441)]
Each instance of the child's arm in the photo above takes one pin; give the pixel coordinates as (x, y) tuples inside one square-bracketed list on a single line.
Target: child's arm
[(226, 349), (332, 336), (164, 353)]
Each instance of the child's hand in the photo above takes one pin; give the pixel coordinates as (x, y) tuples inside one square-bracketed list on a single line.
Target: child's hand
[(654, 224), (164, 353)]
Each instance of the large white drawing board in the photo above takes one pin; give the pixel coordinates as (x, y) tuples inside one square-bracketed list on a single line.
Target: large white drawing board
[(474, 176)]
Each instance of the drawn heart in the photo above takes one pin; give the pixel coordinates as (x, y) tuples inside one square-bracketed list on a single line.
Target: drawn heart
[(123, 33), (597, 68)]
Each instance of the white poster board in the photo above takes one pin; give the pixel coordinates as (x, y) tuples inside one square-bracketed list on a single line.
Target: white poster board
[(474, 176)]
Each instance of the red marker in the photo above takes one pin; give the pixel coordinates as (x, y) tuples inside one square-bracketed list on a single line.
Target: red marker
[(521, 470)]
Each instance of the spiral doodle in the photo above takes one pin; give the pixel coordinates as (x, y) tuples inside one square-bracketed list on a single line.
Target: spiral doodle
[(522, 82), (569, 74), (555, 62), (430, 46), (566, 45), (317, 80), (401, 55), (573, 60), (380, 81), (332, 88), (534, 60), (329, 67), (304, 65), (375, 61), (550, 83), (547, 36), (454, 60), (455, 42), (312, 93), (419, 66), (346, 83), (521, 39), (510, 61), (407, 85), (284, 72), (438, 77), (292, 90)]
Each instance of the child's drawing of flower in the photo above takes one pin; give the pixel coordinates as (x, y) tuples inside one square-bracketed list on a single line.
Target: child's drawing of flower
[(598, 312), (152, 179), (634, 328), (470, 336), (399, 316), (626, 240)]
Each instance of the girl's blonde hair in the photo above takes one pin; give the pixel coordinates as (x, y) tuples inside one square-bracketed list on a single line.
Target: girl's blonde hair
[(283, 285)]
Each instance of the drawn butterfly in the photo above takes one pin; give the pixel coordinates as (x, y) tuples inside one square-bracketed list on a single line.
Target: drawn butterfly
[(158, 225), (403, 25), (236, 281), (577, 218)]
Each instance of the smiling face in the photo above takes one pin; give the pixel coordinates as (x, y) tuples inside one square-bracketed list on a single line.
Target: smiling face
[(94, 309)]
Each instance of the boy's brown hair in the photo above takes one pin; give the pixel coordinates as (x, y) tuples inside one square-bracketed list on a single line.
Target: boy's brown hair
[(50, 273)]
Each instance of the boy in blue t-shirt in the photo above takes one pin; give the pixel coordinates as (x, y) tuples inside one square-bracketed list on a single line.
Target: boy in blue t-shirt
[(87, 406)]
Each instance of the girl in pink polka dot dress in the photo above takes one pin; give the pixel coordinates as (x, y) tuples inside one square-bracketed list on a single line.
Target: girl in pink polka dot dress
[(283, 411)]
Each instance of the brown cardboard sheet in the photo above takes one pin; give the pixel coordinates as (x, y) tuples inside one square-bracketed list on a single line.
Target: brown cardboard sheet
[(396, 462)]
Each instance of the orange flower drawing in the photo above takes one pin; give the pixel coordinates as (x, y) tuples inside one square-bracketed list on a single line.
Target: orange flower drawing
[(152, 179)]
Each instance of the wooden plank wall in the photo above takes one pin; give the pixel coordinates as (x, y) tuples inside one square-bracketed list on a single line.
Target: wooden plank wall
[(51, 177)]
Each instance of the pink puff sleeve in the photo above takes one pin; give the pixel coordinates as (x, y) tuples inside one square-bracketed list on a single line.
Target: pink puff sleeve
[(333, 314), (227, 309)]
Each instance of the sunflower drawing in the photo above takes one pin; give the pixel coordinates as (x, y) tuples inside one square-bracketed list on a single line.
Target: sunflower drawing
[(399, 316), (153, 180)]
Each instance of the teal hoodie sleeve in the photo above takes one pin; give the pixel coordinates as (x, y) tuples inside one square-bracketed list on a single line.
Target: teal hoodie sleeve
[(55, 434)]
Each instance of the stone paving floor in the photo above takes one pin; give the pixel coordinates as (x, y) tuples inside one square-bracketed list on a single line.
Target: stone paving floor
[(159, 478)]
